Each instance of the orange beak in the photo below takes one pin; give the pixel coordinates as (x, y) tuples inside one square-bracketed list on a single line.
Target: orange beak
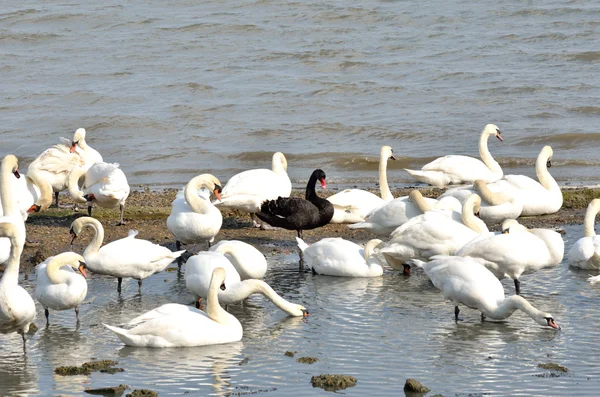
[(305, 313), (216, 192), (73, 147), (82, 271), (34, 208)]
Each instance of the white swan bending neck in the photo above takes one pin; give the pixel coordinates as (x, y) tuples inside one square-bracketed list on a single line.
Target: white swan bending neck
[(416, 197), (53, 267), (484, 152), (198, 204), (590, 218)]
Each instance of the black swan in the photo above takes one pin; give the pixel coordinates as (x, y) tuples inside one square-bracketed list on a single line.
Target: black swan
[(299, 214)]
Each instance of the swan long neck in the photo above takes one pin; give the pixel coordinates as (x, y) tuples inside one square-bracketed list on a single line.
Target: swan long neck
[(96, 242), (279, 163), (472, 205), (311, 192), (416, 197), (73, 184), (9, 204), (197, 203), (45, 198), (11, 273), (508, 307), (590, 218), (213, 308), (485, 155), (384, 188), (55, 275), (489, 196), (370, 247), (541, 169), (252, 286)]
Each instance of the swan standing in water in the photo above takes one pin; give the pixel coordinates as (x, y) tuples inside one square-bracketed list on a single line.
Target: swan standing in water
[(433, 233), (55, 163), (464, 281), (199, 267), (127, 257), (388, 217), (516, 251), (194, 218), (247, 190), (585, 253), (455, 169), (353, 205), (17, 309), (58, 286), (343, 258), (9, 169), (104, 184), (175, 325), (247, 260)]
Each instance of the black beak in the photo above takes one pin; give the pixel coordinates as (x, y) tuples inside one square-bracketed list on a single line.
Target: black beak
[(223, 287)]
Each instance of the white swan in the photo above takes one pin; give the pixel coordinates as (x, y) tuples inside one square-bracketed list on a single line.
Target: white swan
[(585, 253), (353, 205), (127, 257), (537, 198), (9, 169), (58, 286), (55, 163), (17, 309), (199, 267), (247, 260), (104, 184), (193, 218), (174, 325), (464, 281), (495, 206), (516, 251), (388, 217), (33, 193), (433, 233), (247, 190), (462, 169), (343, 258)]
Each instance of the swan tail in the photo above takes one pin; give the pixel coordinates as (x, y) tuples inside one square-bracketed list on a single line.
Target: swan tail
[(361, 225), (301, 244), (594, 279), (177, 254), (415, 262), (132, 233), (122, 334)]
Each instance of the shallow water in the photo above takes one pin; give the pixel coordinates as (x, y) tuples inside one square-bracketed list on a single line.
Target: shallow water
[(381, 330), (173, 89)]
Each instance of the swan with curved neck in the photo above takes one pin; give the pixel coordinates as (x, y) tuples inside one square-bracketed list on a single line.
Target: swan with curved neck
[(199, 267), (342, 258), (585, 253), (516, 251), (34, 194), (353, 205), (104, 185), (56, 162), (127, 257), (9, 169), (248, 189), (247, 260), (433, 233), (58, 286), (462, 169), (17, 309), (175, 325), (464, 281), (193, 218)]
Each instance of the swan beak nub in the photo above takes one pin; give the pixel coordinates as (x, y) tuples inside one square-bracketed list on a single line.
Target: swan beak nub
[(17, 174), (223, 287), (82, 270)]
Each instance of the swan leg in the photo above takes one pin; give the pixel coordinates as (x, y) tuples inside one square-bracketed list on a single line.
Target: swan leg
[(77, 313), (89, 210), (482, 317), (178, 245), (456, 311), (121, 221), (140, 285), (24, 343), (56, 199), (120, 280), (406, 269), (517, 287), (47, 314)]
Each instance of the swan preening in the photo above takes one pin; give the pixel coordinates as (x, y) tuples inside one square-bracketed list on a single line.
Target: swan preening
[(353, 205), (174, 325), (463, 280), (127, 257), (585, 253), (9, 172), (455, 169), (247, 190)]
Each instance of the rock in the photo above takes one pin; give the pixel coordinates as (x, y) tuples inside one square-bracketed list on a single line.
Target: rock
[(68, 370), (553, 367), (333, 382), (109, 391), (414, 386), (307, 360), (89, 367), (142, 393), (289, 354)]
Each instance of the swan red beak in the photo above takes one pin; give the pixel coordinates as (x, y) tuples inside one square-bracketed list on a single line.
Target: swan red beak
[(34, 208), (73, 147), (323, 183), (82, 270)]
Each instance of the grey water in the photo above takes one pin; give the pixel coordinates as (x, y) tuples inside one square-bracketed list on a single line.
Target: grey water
[(173, 89), (380, 330)]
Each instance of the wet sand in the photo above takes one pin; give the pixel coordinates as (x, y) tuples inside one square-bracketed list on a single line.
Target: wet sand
[(147, 211)]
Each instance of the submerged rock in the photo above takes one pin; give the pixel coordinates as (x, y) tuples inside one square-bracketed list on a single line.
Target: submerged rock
[(142, 393), (414, 386), (106, 366), (68, 370), (331, 382), (553, 367), (99, 365), (307, 360), (108, 391), (289, 354)]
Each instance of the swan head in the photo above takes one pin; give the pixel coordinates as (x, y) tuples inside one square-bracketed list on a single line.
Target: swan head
[(78, 136), (547, 153), (508, 224), (319, 175), (473, 202), (493, 130), (74, 260), (76, 227), (546, 320), (11, 162), (387, 153), (278, 161)]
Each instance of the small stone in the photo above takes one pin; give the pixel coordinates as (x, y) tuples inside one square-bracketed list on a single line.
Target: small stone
[(307, 360), (143, 393), (68, 370), (553, 367), (414, 386), (109, 391), (331, 382), (289, 354)]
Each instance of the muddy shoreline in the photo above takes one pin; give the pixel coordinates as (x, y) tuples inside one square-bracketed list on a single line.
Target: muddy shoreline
[(147, 211)]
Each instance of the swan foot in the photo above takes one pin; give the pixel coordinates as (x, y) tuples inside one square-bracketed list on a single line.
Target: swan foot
[(406, 269), (314, 271), (266, 226), (121, 223), (517, 287)]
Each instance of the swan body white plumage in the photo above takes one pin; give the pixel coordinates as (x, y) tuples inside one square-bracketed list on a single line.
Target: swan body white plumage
[(247, 260), (193, 218), (353, 205), (174, 325), (455, 169), (516, 251), (247, 190), (388, 217), (434, 233), (197, 273), (58, 286), (17, 309), (464, 281), (342, 258), (585, 253), (127, 257), (9, 173)]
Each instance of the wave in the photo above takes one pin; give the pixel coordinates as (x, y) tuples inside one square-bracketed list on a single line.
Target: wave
[(569, 139)]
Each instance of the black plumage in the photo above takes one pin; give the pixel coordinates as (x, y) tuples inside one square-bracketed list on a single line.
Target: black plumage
[(299, 214)]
